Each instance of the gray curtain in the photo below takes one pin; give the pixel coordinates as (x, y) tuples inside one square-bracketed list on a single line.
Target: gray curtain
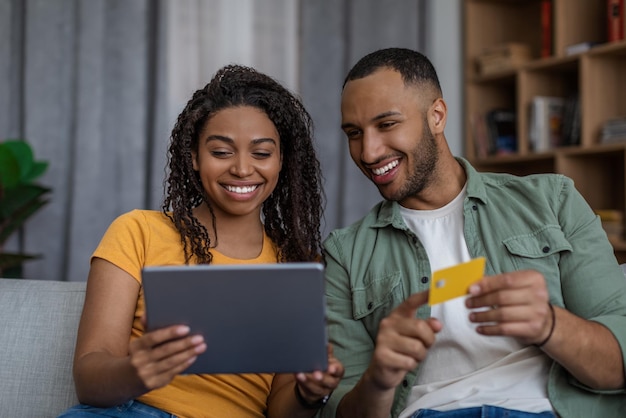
[(95, 86), (334, 35), (77, 81)]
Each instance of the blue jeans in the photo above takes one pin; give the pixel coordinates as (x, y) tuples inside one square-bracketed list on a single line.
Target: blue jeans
[(130, 409), (485, 411)]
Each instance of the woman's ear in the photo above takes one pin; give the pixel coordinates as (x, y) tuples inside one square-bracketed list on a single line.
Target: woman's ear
[(437, 116), (194, 161)]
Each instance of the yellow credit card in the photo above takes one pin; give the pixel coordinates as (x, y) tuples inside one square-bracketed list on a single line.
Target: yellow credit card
[(452, 282)]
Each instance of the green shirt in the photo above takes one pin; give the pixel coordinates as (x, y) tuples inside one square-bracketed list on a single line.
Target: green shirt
[(537, 222)]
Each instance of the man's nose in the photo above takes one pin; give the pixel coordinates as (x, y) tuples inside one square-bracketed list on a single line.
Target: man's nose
[(371, 147)]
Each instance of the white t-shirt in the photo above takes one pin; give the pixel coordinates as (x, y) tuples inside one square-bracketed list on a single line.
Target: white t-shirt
[(463, 368)]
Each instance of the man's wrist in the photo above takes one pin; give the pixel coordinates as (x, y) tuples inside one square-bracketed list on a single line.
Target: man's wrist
[(553, 317)]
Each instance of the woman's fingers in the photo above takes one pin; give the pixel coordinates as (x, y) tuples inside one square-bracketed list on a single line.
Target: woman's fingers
[(158, 356)]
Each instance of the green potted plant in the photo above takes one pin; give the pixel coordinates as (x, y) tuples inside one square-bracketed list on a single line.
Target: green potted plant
[(20, 198)]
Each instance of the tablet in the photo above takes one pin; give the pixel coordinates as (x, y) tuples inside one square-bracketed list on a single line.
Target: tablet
[(255, 318)]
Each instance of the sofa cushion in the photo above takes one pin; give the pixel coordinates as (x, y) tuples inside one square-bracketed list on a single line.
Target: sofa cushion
[(38, 324)]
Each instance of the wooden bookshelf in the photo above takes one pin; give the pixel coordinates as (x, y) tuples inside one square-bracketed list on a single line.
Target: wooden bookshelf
[(597, 76)]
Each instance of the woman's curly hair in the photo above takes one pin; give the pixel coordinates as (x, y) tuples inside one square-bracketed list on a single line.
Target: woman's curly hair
[(292, 213)]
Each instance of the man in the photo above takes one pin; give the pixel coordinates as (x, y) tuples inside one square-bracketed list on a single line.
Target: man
[(543, 333)]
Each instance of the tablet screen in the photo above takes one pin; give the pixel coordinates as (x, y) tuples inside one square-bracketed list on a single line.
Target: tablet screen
[(255, 318)]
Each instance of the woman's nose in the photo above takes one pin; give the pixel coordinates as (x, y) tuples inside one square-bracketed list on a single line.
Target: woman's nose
[(242, 167)]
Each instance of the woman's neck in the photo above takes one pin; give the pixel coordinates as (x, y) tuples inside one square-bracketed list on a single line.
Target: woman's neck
[(239, 237)]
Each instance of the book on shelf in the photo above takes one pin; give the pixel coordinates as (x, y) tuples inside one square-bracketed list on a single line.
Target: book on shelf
[(546, 123), (501, 127), (615, 20), (571, 120), (494, 132), (546, 28), (580, 47), (613, 130), (502, 57)]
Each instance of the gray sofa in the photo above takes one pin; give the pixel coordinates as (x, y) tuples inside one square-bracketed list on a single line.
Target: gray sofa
[(38, 324)]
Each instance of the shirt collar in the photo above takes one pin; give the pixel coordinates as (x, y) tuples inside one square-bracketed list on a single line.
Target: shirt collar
[(475, 185)]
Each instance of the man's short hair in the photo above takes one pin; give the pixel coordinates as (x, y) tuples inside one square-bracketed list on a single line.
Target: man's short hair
[(414, 67)]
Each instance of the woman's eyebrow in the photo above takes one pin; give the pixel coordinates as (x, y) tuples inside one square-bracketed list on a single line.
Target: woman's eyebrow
[(262, 140), (219, 138), (231, 141)]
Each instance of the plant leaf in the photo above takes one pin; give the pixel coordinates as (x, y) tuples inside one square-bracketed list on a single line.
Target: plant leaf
[(14, 272), (17, 198), (23, 154), (18, 219), (8, 260), (9, 168), (36, 170)]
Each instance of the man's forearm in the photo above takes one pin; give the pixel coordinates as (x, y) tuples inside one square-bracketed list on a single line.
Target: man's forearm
[(588, 350), (366, 400)]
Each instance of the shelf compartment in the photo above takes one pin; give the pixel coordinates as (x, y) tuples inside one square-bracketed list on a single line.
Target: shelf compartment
[(602, 93), (598, 173), (558, 78), (498, 22), (577, 21), (482, 97)]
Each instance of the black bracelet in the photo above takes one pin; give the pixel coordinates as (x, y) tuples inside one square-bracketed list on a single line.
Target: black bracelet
[(541, 344), (305, 404)]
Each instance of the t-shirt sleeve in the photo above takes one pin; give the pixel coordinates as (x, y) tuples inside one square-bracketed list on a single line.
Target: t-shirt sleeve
[(124, 243)]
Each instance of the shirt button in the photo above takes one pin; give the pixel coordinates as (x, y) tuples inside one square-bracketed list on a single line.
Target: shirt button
[(405, 383), (424, 279), (370, 305), (474, 207), (545, 249)]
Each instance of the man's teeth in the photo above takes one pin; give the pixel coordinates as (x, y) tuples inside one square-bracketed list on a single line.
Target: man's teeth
[(242, 190), (382, 170)]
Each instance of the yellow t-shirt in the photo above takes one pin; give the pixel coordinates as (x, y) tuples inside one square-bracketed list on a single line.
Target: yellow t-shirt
[(146, 238)]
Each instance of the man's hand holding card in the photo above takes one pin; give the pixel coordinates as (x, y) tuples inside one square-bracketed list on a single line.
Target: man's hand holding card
[(453, 282)]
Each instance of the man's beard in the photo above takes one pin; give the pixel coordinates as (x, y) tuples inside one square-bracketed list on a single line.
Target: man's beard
[(425, 157)]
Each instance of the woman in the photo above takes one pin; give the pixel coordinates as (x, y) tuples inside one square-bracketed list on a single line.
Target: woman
[(243, 187)]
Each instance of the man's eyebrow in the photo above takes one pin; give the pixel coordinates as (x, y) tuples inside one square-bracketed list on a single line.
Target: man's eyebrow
[(385, 115), (374, 119)]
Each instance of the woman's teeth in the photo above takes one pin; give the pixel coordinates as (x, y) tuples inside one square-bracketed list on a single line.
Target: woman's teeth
[(241, 190)]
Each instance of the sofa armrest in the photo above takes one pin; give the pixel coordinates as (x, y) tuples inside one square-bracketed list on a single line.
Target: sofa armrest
[(38, 325)]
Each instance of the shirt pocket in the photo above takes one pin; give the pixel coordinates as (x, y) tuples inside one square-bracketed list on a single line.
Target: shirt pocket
[(541, 251), (376, 299)]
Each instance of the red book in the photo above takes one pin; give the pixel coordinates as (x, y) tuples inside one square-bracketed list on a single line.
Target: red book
[(615, 22), (546, 28)]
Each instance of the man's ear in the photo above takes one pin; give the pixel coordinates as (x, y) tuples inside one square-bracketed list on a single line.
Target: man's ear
[(437, 116)]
